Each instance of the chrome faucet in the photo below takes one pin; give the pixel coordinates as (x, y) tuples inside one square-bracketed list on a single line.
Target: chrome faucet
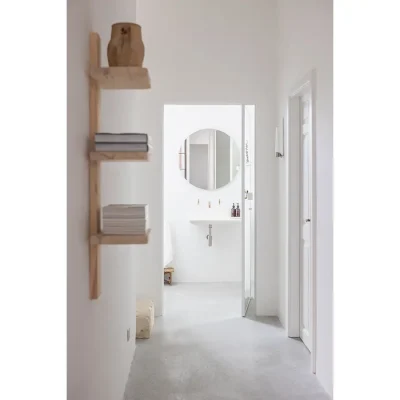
[(209, 236)]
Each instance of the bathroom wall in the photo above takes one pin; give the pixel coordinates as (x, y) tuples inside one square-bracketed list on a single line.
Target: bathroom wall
[(210, 52), (194, 260)]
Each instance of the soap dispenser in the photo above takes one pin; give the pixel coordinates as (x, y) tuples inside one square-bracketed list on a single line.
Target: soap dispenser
[(233, 211), (237, 210)]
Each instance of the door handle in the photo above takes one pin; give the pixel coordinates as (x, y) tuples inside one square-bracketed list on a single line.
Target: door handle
[(307, 220)]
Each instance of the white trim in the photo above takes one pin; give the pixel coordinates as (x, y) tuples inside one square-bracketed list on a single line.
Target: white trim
[(293, 231), (243, 171), (255, 191), (253, 235), (293, 190)]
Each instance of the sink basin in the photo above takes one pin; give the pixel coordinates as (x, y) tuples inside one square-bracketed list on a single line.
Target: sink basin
[(214, 221)]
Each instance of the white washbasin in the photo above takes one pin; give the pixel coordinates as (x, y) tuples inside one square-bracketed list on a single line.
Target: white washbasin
[(213, 221)]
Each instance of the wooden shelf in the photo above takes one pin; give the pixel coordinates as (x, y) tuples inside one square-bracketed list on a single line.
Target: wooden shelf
[(121, 77), (119, 156), (107, 78), (119, 239)]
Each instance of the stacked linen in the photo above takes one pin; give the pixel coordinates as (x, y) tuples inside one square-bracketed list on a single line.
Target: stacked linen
[(125, 219), (122, 142)]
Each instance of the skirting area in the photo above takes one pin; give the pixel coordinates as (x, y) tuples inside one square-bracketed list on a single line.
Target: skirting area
[(202, 349)]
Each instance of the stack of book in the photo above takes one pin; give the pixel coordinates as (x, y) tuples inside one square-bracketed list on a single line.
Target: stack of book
[(122, 142), (125, 219)]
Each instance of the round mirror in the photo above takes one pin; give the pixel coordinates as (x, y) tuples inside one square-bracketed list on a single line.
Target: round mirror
[(209, 159)]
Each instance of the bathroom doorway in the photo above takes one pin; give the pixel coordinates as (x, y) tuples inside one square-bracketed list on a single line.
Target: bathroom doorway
[(209, 264)]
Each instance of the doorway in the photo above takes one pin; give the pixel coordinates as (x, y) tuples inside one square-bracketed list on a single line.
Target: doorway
[(209, 177), (302, 215)]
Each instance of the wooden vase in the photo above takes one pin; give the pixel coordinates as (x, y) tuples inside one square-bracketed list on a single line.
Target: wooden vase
[(125, 48)]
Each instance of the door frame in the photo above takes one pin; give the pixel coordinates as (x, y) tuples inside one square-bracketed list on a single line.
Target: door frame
[(201, 103), (253, 250), (307, 84)]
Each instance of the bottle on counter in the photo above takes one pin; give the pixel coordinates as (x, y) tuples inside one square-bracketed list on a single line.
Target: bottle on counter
[(237, 210), (233, 210)]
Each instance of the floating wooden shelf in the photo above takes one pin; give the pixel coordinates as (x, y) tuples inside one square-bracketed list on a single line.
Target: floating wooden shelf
[(101, 238), (119, 156), (121, 77), (107, 78)]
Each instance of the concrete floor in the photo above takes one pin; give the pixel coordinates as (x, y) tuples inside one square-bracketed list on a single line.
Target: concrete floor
[(202, 349)]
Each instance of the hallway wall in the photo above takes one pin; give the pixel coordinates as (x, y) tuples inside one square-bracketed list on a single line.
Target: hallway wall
[(212, 52), (306, 42), (99, 355)]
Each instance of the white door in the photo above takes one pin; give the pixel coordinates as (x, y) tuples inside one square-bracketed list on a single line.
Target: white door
[(305, 223)]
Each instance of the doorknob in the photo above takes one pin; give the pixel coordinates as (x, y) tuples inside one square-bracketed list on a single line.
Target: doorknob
[(307, 220)]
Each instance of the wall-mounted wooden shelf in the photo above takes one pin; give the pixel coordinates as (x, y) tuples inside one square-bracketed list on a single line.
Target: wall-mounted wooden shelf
[(101, 238), (121, 77), (107, 78), (119, 156)]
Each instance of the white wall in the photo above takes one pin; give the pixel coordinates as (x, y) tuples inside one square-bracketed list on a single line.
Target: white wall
[(99, 355), (305, 42), (212, 52), (194, 260)]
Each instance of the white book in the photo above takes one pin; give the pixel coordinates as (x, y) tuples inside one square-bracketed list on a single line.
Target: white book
[(122, 138), (125, 211), (133, 147)]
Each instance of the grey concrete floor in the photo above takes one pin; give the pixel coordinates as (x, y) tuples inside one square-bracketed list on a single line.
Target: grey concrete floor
[(202, 349)]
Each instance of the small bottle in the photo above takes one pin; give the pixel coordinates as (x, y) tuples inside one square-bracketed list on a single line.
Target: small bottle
[(233, 211), (237, 210)]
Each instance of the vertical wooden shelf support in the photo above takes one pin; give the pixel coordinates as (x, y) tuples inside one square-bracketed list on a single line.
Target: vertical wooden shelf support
[(94, 174)]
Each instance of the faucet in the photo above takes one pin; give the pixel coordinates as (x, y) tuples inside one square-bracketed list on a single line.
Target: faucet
[(209, 236)]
